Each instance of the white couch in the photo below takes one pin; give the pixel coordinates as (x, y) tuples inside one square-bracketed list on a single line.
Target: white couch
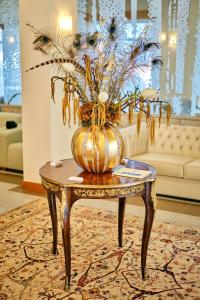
[(11, 142), (175, 155)]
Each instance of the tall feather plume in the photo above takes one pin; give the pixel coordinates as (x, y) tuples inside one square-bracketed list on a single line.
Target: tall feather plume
[(151, 45), (77, 43), (43, 43), (54, 43), (138, 47), (71, 52), (88, 75), (136, 51), (91, 39), (101, 65), (78, 67), (114, 29), (157, 62)]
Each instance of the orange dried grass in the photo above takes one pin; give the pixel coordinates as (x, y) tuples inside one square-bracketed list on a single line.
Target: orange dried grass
[(152, 130), (169, 111)]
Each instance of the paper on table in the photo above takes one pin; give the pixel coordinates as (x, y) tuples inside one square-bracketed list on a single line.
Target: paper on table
[(131, 172)]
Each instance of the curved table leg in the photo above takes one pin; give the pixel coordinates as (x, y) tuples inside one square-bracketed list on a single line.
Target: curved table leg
[(52, 208), (149, 215), (66, 205), (121, 209)]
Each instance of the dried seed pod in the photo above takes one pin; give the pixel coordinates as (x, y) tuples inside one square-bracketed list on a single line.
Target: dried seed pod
[(130, 113), (139, 118), (152, 130), (65, 101), (53, 89), (69, 111), (75, 109), (160, 114), (169, 111), (148, 114)]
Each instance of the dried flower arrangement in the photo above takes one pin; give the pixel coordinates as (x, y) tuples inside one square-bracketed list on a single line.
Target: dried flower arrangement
[(94, 70)]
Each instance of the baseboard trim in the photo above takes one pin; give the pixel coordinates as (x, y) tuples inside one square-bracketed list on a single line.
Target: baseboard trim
[(180, 199), (33, 187)]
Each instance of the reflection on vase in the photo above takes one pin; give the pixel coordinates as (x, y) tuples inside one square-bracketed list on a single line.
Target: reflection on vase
[(99, 151), (100, 179)]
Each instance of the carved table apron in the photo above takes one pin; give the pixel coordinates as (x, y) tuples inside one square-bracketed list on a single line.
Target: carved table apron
[(96, 186)]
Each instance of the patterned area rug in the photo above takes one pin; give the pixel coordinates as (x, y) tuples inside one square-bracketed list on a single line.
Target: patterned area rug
[(100, 270)]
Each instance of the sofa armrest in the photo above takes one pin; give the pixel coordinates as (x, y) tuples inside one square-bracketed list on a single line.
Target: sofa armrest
[(7, 137), (134, 144), (9, 116)]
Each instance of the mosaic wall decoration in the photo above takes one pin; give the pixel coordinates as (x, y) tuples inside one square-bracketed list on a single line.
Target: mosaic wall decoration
[(110, 8), (154, 13), (196, 74), (180, 82), (182, 32), (82, 15), (9, 17), (88, 10)]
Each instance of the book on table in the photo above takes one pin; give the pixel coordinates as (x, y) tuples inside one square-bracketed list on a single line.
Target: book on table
[(132, 172)]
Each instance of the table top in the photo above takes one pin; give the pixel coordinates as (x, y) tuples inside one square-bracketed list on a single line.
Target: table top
[(59, 175)]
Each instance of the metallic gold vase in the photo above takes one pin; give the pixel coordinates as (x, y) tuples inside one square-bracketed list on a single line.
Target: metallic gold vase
[(98, 151)]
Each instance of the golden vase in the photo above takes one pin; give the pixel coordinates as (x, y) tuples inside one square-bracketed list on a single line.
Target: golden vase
[(98, 151)]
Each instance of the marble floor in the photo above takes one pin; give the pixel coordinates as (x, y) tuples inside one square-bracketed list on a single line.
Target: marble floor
[(178, 212), (11, 193)]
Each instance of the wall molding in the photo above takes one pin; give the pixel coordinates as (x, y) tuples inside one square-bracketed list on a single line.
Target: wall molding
[(33, 187)]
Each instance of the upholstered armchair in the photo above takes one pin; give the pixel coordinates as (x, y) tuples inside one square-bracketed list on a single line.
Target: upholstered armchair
[(10, 142)]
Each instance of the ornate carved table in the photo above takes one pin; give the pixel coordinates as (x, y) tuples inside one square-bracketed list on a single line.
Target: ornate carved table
[(96, 186)]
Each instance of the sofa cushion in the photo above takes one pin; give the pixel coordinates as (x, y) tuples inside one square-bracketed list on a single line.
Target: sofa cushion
[(192, 170), (7, 137), (178, 140), (165, 164)]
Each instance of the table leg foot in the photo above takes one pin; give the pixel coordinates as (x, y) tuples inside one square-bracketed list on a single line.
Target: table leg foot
[(54, 251), (67, 284), (149, 216), (144, 273)]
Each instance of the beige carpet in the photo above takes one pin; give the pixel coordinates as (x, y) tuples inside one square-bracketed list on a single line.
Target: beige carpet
[(100, 270)]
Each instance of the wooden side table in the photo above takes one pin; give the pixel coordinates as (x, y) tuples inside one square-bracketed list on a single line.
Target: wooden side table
[(96, 186)]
